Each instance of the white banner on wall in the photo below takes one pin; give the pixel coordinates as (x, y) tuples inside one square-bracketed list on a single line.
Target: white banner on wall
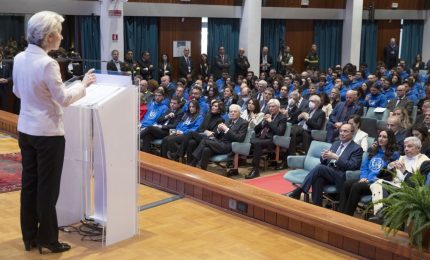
[(179, 46)]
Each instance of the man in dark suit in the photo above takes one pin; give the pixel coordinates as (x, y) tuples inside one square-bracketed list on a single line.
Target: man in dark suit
[(274, 123), (343, 155), (266, 61), (221, 63), (185, 64), (267, 96), (401, 101), (115, 64), (391, 54), (394, 124), (241, 64), (145, 64), (234, 130), (341, 113), (164, 123), (312, 120), (5, 78)]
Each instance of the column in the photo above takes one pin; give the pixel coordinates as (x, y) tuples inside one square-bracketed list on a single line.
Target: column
[(351, 35), (250, 32), (426, 37), (111, 30)]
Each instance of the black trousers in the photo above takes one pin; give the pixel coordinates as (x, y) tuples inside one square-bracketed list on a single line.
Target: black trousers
[(350, 195), (324, 175), (258, 145), (299, 135), (42, 164), (208, 147), (193, 139), (171, 144), (149, 134)]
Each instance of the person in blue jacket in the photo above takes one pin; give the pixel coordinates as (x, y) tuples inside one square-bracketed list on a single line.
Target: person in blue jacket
[(375, 98), (155, 110), (191, 121), (196, 94), (381, 153)]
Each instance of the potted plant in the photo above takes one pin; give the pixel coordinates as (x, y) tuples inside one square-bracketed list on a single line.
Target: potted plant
[(408, 207)]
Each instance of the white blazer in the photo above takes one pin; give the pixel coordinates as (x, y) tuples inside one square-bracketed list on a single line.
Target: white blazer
[(360, 138)]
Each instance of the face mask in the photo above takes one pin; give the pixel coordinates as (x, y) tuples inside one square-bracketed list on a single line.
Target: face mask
[(291, 102), (311, 105)]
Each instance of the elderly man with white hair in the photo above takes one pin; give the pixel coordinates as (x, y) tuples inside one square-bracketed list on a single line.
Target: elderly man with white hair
[(407, 165), (234, 130), (274, 123)]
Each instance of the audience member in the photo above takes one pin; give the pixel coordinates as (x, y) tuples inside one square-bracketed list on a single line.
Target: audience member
[(186, 64), (360, 137)]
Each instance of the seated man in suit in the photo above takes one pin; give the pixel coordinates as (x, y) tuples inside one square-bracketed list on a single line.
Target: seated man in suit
[(344, 155), (115, 64), (312, 120), (274, 123), (401, 101), (234, 130), (164, 123), (394, 124), (341, 113)]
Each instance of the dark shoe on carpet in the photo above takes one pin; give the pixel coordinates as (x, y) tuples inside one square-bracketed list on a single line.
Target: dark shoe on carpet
[(282, 166), (29, 244), (56, 247), (192, 163), (295, 194), (172, 156), (232, 172), (253, 174)]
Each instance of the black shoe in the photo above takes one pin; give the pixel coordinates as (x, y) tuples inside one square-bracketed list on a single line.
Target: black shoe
[(295, 194), (172, 156), (282, 166), (56, 247), (376, 219), (232, 172), (29, 244), (253, 174), (192, 163)]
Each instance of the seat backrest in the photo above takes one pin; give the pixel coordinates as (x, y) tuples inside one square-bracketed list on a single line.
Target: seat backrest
[(414, 114), (370, 141), (249, 135), (288, 129), (313, 157), (377, 115), (369, 126)]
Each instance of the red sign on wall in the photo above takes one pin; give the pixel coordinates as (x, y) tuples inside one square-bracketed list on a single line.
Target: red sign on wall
[(115, 12)]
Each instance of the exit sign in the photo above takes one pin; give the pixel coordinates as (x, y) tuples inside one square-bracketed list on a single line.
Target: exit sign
[(115, 12)]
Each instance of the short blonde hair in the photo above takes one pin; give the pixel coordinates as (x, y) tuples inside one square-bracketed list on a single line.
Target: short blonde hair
[(41, 25)]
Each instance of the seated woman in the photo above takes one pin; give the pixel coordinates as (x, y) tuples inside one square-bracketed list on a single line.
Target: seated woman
[(360, 137), (402, 113), (421, 132), (381, 154), (252, 113), (206, 130), (189, 122)]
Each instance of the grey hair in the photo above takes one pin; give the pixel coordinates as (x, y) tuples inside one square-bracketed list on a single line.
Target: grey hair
[(274, 101), (41, 25), (234, 107), (415, 140), (317, 98)]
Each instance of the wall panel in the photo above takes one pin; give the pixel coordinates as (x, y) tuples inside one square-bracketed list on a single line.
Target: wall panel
[(336, 4), (299, 36), (177, 29), (403, 4), (387, 29), (197, 2)]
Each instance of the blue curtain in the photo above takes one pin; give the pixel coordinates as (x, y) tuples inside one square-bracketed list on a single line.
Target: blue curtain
[(369, 44), (223, 32), (328, 38), (89, 30), (412, 40), (141, 34), (273, 36), (13, 27)]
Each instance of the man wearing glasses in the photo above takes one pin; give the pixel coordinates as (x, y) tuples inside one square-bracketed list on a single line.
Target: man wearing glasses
[(401, 101)]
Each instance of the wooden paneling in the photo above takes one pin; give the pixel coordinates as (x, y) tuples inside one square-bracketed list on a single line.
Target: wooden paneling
[(336, 4), (403, 4), (196, 2), (299, 36), (387, 29), (180, 29)]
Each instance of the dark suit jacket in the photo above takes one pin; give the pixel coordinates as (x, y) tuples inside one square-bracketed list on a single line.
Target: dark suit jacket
[(336, 114), (316, 121), (112, 67), (276, 127), (161, 69), (269, 60), (221, 65), (171, 122), (293, 114), (404, 103), (145, 70), (241, 65), (304, 106), (183, 67), (236, 133), (349, 160)]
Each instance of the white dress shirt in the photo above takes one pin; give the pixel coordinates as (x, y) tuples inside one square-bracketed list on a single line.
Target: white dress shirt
[(37, 82)]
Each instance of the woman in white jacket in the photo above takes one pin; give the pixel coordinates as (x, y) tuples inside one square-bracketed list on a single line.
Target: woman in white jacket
[(360, 137)]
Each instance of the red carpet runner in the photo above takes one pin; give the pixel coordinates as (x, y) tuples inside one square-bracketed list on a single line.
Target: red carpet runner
[(274, 183), (10, 172)]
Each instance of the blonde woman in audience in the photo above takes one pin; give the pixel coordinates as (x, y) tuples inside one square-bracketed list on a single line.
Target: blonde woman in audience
[(404, 117), (252, 114)]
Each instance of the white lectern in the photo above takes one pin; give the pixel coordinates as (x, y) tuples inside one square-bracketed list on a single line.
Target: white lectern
[(100, 172)]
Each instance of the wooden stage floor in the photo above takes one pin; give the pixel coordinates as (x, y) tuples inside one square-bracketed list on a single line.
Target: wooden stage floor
[(182, 229)]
